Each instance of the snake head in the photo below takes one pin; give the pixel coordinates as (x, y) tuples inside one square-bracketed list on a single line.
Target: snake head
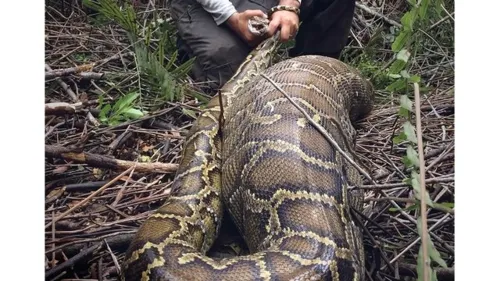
[(258, 25)]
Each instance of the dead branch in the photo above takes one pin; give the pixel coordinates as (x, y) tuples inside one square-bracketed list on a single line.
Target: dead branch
[(72, 94), (64, 86), (91, 75), (402, 184), (85, 254), (86, 200), (443, 274), (410, 201), (62, 108), (377, 14), (106, 162), (50, 74)]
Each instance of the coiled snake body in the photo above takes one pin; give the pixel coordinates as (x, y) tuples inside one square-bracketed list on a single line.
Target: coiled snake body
[(284, 185)]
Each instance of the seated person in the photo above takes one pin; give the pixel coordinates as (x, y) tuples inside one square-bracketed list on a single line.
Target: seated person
[(216, 31)]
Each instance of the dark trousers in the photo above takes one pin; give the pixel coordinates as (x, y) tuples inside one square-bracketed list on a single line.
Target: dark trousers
[(219, 51)]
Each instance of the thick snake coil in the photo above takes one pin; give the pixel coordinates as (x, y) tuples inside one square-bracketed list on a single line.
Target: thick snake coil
[(284, 185)]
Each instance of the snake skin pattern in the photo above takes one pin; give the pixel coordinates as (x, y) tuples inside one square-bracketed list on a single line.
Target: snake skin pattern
[(283, 184)]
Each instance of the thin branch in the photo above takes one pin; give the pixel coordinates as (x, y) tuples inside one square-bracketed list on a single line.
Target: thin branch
[(73, 260), (106, 162), (377, 14), (318, 127), (418, 238), (423, 190), (403, 184), (50, 74), (73, 96), (410, 201), (84, 201), (443, 274)]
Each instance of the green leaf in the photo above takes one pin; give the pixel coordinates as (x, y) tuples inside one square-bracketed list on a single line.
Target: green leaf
[(425, 89), (403, 55), (405, 102), (399, 138), (419, 226), (189, 113), (400, 40), (171, 61), (414, 79), (409, 131), (420, 264), (397, 85), (450, 205), (431, 249), (133, 113), (104, 112), (404, 112), (100, 101), (392, 75), (413, 3), (415, 183), (409, 208), (125, 101), (422, 9), (408, 20), (407, 181), (405, 74), (434, 254), (412, 155), (434, 275), (438, 8), (397, 66)]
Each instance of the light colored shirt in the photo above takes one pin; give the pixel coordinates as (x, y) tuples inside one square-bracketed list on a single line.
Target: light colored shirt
[(220, 10)]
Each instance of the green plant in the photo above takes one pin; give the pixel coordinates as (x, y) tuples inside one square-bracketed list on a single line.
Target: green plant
[(122, 110), (408, 42), (155, 55)]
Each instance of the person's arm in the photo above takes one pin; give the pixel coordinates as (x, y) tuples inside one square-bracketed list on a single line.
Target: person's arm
[(223, 11), (220, 10), (287, 21)]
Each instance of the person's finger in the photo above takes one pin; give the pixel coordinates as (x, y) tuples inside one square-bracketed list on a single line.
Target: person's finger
[(285, 33), (273, 26)]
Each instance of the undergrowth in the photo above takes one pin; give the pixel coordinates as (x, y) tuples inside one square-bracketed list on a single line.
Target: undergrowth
[(161, 79), (424, 36)]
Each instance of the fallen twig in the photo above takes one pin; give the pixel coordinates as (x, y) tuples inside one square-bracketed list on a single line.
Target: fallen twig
[(318, 127), (73, 96), (402, 184), (443, 274), (107, 162), (62, 108), (68, 71), (411, 201), (64, 86), (73, 260), (91, 75), (115, 240), (84, 201), (377, 14)]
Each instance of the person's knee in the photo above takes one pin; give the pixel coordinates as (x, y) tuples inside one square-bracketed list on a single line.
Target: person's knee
[(221, 59)]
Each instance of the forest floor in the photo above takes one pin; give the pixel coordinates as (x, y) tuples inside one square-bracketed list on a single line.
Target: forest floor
[(105, 116)]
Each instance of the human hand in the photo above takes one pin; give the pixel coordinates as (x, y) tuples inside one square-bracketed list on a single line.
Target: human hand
[(287, 21), (238, 22)]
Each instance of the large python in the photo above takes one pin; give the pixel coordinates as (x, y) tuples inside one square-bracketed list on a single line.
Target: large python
[(284, 185)]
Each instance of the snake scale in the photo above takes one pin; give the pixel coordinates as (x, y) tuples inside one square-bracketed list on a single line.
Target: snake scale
[(283, 184)]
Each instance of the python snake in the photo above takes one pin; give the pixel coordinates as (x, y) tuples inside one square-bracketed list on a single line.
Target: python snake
[(283, 184)]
